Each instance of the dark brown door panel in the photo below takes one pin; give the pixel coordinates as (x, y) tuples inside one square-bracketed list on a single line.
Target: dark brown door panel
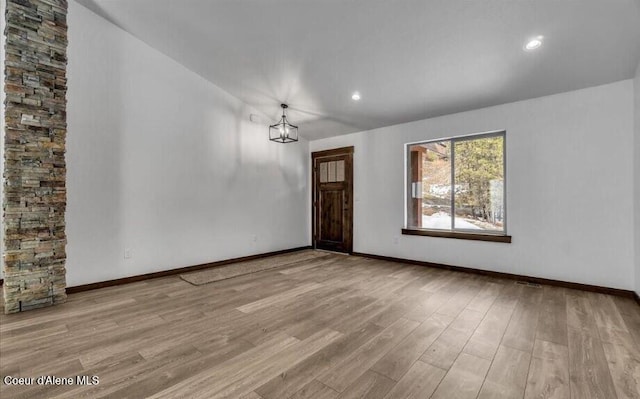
[(333, 199)]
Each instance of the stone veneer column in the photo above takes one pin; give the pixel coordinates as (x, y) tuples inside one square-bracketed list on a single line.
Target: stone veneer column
[(34, 145)]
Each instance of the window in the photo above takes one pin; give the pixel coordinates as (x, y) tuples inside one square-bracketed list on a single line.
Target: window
[(457, 185)]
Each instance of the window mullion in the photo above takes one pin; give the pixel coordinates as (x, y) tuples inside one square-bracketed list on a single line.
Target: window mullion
[(453, 186)]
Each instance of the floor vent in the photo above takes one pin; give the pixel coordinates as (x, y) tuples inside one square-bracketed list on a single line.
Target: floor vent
[(528, 284)]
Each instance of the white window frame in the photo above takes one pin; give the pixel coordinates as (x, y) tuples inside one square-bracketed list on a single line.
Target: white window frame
[(409, 185)]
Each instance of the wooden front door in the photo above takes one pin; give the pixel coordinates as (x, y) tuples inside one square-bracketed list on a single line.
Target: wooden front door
[(333, 199)]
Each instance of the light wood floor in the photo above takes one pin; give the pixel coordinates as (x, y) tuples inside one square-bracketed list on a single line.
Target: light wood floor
[(342, 327)]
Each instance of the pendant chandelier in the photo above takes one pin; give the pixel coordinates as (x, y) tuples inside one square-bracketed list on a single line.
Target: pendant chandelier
[(283, 131)]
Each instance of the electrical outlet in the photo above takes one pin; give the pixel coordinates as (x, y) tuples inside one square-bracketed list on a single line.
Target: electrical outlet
[(396, 240), (128, 253), (254, 238)]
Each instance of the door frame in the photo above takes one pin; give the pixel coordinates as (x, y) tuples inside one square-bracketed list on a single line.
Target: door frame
[(348, 151)]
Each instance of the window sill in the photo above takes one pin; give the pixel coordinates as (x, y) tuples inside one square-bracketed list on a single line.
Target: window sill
[(458, 235)]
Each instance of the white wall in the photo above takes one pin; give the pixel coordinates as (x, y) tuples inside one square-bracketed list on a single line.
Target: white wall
[(636, 169), (569, 187), (165, 163)]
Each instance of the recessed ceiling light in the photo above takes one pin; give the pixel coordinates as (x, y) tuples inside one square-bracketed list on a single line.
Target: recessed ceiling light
[(534, 43), (355, 96)]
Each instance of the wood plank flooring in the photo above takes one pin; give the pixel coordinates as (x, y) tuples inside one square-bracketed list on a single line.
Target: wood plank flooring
[(345, 327)]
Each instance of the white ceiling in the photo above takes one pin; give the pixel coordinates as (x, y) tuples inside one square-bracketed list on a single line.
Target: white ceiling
[(410, 59)]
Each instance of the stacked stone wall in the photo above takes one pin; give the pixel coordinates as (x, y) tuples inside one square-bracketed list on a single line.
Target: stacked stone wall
[(34, 198)]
